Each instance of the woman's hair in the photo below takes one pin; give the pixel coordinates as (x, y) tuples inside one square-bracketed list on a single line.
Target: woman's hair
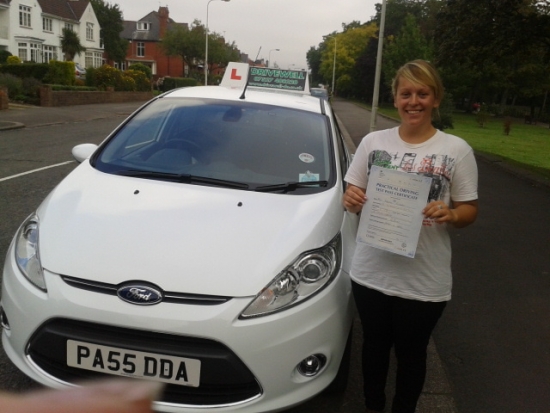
[(420, 72)]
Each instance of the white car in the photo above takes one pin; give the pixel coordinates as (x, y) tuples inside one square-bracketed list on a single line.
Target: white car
[(79, 71), (203, 244)]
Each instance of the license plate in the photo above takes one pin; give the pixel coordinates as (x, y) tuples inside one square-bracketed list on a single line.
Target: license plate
[(131, 363)]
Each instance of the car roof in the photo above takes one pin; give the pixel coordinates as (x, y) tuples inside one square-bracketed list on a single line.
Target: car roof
[(253, 95)]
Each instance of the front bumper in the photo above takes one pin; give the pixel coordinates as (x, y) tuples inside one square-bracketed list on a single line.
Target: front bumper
[(255, 359)]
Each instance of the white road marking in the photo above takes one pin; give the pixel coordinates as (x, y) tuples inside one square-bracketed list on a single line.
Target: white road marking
[(35, 170)]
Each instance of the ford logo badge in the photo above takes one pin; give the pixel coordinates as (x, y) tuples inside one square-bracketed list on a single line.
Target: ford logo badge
[(139, 293)]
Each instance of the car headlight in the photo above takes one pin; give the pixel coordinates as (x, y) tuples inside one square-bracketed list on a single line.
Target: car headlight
[(306, 276), (26, 252)]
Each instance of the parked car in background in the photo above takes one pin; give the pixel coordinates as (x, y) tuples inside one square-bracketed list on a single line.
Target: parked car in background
[(319, 92), (203, 244), (80, 72)]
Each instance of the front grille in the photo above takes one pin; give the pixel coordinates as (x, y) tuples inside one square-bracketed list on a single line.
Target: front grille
[(169, 297), (224, 377)]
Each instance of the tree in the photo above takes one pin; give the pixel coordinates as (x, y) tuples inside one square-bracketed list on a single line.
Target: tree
[(110, 20), (189, 44), (349, 46), (314, 56), (219, 52), (70, 44), (500, 42), (410, 44)]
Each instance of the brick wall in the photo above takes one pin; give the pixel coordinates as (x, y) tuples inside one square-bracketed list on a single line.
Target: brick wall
[(49, 97)]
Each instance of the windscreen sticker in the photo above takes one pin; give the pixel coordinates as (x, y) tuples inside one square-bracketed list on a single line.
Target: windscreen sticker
[(308, 177), (306, 158)]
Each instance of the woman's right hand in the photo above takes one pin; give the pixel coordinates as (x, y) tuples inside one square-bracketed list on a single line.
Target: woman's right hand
[(354, 198)]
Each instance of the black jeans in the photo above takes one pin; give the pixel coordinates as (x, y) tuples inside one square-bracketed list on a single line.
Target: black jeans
[(405, 324)]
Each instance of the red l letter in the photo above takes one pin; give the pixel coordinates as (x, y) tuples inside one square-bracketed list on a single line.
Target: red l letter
[(234, 75)]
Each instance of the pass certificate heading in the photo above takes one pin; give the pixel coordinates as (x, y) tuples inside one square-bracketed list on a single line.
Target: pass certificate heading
[(392, 216)]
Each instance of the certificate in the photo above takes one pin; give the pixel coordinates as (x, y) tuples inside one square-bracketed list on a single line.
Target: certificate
[(392, 216)]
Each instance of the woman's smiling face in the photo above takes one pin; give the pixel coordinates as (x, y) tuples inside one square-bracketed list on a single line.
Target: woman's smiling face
[(414, 102)]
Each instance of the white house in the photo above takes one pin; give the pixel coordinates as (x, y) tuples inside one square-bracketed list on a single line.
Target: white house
[(32, 29)]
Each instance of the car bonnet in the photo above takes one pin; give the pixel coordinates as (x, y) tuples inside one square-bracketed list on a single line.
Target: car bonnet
[(181, 237)]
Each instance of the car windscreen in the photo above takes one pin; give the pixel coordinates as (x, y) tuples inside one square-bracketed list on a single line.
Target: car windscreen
[(212, 142)]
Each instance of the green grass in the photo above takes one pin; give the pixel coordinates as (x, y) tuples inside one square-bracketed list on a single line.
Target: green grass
[(526, 146)]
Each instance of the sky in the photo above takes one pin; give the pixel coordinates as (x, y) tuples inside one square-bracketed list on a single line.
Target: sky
[(259, 27)]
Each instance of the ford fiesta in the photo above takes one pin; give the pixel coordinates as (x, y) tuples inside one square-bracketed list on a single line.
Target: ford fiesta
[(203, 244)]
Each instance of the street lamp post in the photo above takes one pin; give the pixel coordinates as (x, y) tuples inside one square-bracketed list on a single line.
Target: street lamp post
[(206, 50), (269, 58), (378, 69)]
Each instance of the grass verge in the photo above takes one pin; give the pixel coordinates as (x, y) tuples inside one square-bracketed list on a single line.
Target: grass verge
[(526, 146)]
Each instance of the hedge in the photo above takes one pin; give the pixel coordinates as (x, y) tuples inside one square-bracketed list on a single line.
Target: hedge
[(170, 83), (24, 70)]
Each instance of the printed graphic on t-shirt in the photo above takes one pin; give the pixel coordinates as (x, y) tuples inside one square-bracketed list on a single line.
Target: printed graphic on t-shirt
[(437, 166)]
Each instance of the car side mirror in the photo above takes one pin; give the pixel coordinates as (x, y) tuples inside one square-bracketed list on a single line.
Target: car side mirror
[(83, 151)]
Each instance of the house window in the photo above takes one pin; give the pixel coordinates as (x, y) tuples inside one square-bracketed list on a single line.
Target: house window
[(24, 16), (30, 52), (98, 59), (48, 54), (47, 25), (141, 49), (69, 26), (90, 31), (22, 51), (35, 49), (143, 26), (93, 59)]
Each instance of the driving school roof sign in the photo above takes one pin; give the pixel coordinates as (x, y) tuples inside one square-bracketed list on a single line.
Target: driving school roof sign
[(277, 79), (238, 75)]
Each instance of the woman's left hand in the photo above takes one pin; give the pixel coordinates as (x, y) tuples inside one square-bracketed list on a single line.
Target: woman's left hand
[(440, 212), (463, 213)]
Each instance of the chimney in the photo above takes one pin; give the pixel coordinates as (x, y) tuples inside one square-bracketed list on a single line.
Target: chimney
[(163, 20)]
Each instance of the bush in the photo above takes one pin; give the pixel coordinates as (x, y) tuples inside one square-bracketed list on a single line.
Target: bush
[(90, 76), (34, 70), (126, 84), (106, 76), (4, 54), (31, 89), (12, 83), (140, 67), (13, 60), (74, 88), (170, 83), (141, 81), (60, 73)]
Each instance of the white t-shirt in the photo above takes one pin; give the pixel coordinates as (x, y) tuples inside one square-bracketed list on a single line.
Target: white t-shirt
[(450, 162)]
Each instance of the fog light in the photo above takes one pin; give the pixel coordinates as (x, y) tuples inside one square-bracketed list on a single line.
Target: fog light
[(4, 319), (312, 365)]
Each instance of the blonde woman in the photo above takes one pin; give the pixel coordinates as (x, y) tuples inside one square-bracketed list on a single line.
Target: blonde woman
[(400, 299)]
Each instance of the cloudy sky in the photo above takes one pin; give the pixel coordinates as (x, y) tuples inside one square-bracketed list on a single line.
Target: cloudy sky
[(258, 27)]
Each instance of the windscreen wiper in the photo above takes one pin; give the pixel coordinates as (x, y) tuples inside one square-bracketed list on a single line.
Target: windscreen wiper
[(290, 186), (183, 178)]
